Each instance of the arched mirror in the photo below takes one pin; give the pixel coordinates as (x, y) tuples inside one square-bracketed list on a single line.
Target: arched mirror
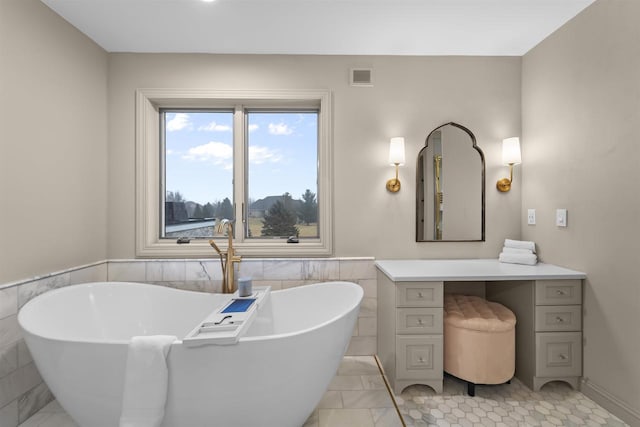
[(450, 186)]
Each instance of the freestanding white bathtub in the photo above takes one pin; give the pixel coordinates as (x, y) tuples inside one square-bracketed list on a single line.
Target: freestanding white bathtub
[(273, 377)]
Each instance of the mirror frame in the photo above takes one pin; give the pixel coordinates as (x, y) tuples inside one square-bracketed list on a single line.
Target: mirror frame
[(420, 174)]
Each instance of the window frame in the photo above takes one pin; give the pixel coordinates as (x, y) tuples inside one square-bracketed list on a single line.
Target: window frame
[(149, 166)]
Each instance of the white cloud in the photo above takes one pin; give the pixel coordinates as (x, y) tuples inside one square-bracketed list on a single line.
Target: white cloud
[(259, 155), (179, 122), (170, 152), (253, 127), (214, 127), (216, 152), (280, 129)]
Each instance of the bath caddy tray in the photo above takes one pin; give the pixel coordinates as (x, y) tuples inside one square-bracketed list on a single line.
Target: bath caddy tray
[(228, 323)]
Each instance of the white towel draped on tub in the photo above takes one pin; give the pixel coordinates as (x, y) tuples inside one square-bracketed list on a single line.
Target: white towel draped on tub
[(145, 382)]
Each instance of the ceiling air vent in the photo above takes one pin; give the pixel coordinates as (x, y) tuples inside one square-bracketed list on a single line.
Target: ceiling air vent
[(361, 77)]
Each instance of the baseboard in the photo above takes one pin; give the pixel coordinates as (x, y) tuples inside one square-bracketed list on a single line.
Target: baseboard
[(611, 403)]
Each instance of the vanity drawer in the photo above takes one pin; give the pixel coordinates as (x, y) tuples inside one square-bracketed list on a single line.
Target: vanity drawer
[(551, 318), (419, 294), (419, 357), (559, 354), (558, 292), (418, 321)]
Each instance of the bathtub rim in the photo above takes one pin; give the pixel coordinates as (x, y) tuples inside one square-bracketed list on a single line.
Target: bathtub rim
[(179, 341)]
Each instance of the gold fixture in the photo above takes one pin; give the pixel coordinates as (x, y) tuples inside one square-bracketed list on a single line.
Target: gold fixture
[(393, 185), (503, 185), (510, 156), (228, 259), (396, 157)]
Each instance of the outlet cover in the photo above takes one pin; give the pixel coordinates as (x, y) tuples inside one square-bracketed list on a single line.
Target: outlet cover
[(561, 217), (531, 216)]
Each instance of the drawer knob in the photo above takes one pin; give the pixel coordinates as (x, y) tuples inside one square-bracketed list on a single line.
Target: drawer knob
[(559, 319), (562, 356), (421, 359), (560, 292), (420, 322), (420, 295)]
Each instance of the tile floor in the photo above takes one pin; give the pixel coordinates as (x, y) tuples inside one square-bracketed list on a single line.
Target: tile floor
[(513, 404), (358, 397)]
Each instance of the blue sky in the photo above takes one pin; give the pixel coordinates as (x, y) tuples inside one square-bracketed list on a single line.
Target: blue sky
[(199, 154)]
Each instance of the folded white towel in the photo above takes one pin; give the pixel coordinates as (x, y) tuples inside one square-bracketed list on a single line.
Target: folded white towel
[(146, 380), (528, 259), (520, 244), (507, 250)]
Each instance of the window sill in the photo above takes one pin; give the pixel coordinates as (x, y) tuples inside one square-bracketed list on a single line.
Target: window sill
[(201, 249)]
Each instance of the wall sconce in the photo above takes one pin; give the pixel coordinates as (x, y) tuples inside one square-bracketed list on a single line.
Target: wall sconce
[(510, 156), (396, 157)]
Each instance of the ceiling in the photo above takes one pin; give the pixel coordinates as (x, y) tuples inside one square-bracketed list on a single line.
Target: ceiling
[(319, 27)]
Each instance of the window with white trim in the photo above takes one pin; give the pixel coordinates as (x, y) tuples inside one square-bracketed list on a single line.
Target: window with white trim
[(260, 159)]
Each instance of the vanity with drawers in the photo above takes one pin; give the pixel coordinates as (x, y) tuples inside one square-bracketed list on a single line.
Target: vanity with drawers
[(546, 299)]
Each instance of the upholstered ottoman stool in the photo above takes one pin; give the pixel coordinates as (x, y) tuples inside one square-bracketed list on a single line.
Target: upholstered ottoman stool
[(479, 340)]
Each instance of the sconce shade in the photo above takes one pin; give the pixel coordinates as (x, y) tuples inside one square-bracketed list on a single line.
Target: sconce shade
[(510, 156), (396, 151), (511, 151)]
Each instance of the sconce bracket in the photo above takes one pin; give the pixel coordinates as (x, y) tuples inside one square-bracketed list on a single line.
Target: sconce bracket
[(504, 185), (393, 185)]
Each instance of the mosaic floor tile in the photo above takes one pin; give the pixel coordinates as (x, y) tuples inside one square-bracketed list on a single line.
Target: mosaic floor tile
[(557, 404)]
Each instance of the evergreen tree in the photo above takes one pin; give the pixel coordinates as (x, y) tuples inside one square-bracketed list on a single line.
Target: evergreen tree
[(198, 212), (287, 200), (309, 210), (279, 221), (225, 209), (175, 197), (208, 210)]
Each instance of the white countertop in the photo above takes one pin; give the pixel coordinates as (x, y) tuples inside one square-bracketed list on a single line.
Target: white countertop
[(470, 270)]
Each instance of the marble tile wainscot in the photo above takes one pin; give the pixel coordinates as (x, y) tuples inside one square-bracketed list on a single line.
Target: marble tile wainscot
[(205, 275), (22, 391)]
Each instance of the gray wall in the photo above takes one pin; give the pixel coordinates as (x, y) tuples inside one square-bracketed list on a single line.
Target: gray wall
[(53, 158), (411, 97), (580, 109), (581, 151)]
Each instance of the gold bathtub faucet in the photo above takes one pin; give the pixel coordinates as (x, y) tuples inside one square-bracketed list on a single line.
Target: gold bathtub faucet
[(228, 258)]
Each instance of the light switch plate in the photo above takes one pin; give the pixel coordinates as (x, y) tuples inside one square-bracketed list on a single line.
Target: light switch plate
[(561, 217), (531, 216)]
